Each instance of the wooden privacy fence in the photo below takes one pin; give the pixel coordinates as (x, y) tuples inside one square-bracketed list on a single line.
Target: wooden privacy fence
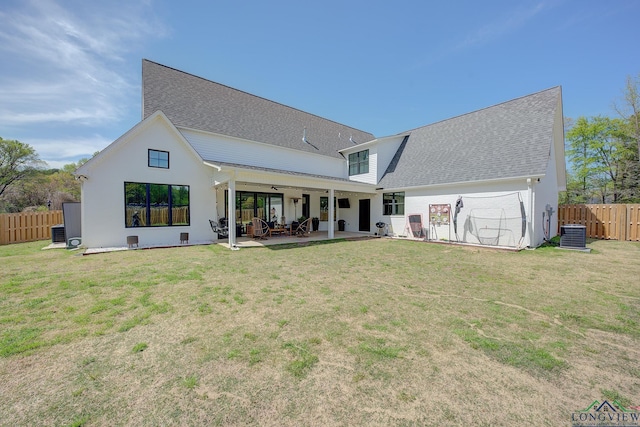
[(27, 226), (617, 222)]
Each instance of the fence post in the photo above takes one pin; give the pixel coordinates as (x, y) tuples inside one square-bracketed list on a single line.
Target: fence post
[(4, 229), (622, 223), (633, 223)]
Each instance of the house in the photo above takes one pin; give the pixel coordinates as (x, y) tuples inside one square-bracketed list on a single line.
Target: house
[(203, 149)]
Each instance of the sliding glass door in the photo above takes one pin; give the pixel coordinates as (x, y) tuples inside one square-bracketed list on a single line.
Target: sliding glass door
[(267, 206), (245, 207)]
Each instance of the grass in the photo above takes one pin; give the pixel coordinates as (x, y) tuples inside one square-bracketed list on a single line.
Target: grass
[(190, 382), (614, 396), (141, 346), (526, 356), (377, 332)]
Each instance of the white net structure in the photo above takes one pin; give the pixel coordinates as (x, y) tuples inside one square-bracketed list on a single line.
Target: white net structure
[(491, 220)]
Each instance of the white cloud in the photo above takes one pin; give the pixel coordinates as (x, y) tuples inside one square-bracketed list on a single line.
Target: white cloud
[(67, 64), (58, 152), (501, 27), (67, 116)]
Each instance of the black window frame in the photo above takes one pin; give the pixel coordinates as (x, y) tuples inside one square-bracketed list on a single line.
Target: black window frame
[(157, 159), (359, 163), (145, 205), (393, 207), (324, 208), (255, 197)]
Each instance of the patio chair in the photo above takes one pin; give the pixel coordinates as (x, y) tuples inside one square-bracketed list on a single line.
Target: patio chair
[(260, 229), (223, 232), (414, 226), (303, 229)]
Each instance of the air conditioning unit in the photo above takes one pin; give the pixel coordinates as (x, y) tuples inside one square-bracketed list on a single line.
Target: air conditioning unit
[(57, 233), (74, 242), (573, 236)]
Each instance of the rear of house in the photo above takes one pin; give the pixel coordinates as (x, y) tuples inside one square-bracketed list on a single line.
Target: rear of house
[(203, 150)]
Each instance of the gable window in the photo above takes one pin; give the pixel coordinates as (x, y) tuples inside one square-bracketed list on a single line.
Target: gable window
[(158, 159), (393, 203), (155, 205), (359, 162)]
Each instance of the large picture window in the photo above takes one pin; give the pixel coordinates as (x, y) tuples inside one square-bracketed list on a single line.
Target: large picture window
[(359, 162), (156, 205), (158, 159), (393, 203)]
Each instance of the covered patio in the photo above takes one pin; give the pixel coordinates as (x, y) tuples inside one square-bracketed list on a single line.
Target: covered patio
[(280, 197)]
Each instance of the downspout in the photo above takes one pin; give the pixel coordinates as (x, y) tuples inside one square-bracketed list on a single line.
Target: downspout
[(532, 221)]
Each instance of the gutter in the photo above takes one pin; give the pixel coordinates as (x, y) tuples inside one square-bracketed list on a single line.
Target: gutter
[(482, 181)]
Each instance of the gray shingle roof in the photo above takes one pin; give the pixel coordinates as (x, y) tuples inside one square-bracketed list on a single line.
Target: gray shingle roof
[(281, 171), (508, 140), (196, 103)]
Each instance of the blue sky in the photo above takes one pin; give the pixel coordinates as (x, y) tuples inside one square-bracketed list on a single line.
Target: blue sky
[(71, 70)]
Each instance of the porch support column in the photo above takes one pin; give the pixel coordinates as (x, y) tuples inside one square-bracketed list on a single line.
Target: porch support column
[(330, 222), (231, 202)]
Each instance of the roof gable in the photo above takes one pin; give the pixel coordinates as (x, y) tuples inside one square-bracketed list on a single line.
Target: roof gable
[(130, 135), (508, 140), (196, 103)]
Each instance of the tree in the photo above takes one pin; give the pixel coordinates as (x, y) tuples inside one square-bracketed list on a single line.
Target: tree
[(600, 154), (582, 157), (17, 161), (630, 110)]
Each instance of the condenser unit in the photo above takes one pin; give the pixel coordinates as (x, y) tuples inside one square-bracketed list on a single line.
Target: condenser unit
[(57, 233), (573, 236)]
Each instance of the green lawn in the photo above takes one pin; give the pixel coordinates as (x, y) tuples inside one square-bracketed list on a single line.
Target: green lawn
[(371, 332)]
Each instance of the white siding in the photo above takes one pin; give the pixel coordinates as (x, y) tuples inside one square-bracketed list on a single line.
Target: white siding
[(385, 151), (103, 211), (381, 153), (224, 149), (547, 194), (417, 201), (546, 190), (351, 215)]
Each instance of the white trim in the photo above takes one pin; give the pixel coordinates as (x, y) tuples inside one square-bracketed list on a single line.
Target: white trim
[(322, 183), (372, 143), (532, 221), (453, 184)]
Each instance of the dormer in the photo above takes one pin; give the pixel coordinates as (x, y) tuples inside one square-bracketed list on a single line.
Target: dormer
[(368, 162)]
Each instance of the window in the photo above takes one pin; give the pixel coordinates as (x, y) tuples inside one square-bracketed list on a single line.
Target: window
[(155, 205), (359, 163), (393, 203), (158, 159), (324, 209)]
